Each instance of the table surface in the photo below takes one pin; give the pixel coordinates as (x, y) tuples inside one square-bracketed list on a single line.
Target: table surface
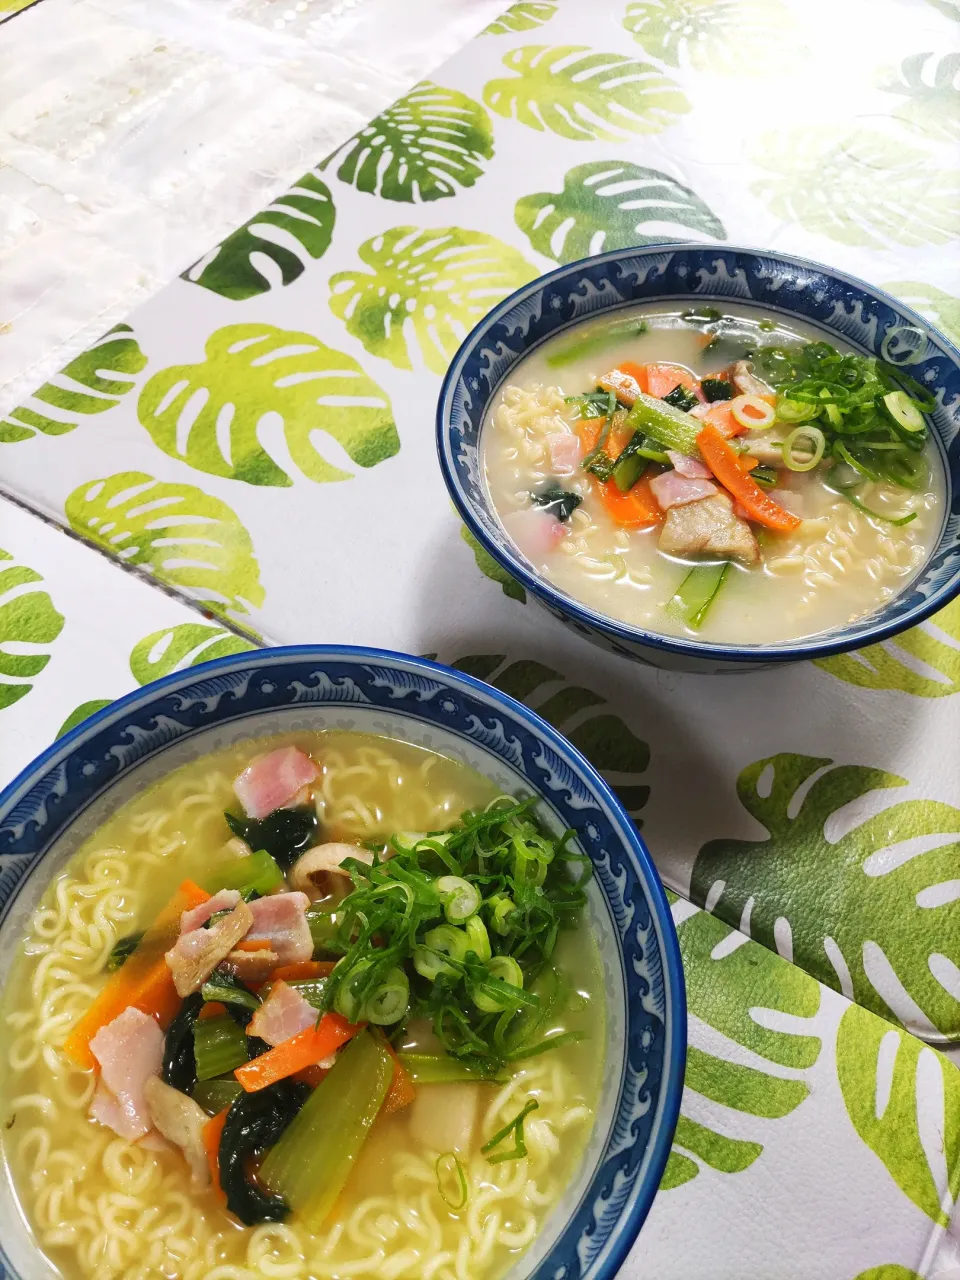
[(820, 1135)]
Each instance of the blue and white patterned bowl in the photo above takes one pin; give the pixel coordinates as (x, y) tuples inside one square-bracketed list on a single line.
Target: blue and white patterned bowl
[(47, 812), (840, 306)]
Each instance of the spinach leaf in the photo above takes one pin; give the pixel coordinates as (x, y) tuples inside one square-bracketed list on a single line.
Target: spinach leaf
[(284, 834), (179, 1063), (254, 1122), (558, 502)]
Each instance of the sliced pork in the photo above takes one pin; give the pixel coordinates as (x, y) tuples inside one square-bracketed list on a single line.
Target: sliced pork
[(281, 919), (272, 781), (196, 917), (708, 527), (181, 1121), (252, 967), (319, 872), (283, 1014), (563, 449), (692, 468), (673, 490), (746, 382), (129, 1051), (196, 953)]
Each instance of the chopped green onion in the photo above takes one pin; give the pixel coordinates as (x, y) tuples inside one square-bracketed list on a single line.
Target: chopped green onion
[(811, 455), (445, 940), (258, 872), (216, 1095), (324, 925), (697, 592), (668, 426), (795, 410), (440, 1068), (460, 898), (502, 907), (390, 1001), (903, 411), (502, 969), (841, 451), (461, 1186), (875, 515), (519, 1150), (478, 940), (219, 1045), (752, 412), (548, 1043)]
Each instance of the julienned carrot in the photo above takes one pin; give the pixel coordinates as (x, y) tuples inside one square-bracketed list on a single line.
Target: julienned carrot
[(626, 381), (144, 981), (724, 461), (302, 1050), (662, 378), (303, 969), (253, 944), (618, 439), (634, 509), (720, 415), (211, 1009), (747, 463), (212, 1132), (402, 1090)]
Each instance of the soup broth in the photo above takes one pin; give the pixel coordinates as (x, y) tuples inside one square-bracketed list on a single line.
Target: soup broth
[(849, 538), (424, 1198)]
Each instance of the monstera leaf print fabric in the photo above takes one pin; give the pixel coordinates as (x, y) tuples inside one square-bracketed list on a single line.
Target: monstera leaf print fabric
[(258, 440)]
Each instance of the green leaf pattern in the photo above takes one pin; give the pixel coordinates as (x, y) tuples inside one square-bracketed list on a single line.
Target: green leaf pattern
[(612, 204), (848, 910), (274, 247), (425, 290), (859, 187), (942, 309), (584, 95), (523, 16), (427, 146), (210, 415), (930, 93), (883, 1075), (184, 645), (29, 623), (731, 985), (186, 538), (489, 567), (730, 37), (924, 661), (91, 383)]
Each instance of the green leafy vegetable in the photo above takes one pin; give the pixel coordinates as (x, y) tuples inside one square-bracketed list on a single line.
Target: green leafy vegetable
[(284, 834), (256, 875), (595, 404), (179, 1063), (697, 592), (324, 930), (310, 1164), (668, 426), (765, 476), (215, 1095), (229, 990), (123, 949), (717, 389), (681, 398), (590, 343), (440, 1068), (256, 1121), (219, 1046), (519, 1149), (558, 502)]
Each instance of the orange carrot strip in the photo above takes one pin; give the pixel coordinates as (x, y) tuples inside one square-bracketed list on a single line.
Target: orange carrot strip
[(402, 1091), (720, 415), (143, 982), (303, 969), (302, 1050), (662, 378), (746, 462), (626, 381), (723, 461), (212, 1133), (253, 944), (212, 1009), (631, 510)]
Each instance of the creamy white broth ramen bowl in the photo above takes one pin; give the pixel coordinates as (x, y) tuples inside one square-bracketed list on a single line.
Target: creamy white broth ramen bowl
[(601, 496)]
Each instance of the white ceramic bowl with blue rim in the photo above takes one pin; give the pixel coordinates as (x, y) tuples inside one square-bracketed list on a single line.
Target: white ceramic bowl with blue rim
[(69, 791), (840, 306)]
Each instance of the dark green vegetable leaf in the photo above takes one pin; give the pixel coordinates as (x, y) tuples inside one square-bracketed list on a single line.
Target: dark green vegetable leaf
[(123, 949), (284, 834), (681, 398), (717, 389), (558, 502), (179, 1062), (254, 1122)]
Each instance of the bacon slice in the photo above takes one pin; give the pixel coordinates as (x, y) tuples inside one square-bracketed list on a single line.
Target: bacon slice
[(283, 1014), (129, 1050), (281, 919), (252, 967), (692, 468), (196, 917), (182, 1122), (564, 449), (272, 781), (196, 954), (672, 489)]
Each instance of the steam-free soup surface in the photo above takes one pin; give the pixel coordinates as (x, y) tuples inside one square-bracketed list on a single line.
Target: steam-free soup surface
[(103, 1206), (853, 542)]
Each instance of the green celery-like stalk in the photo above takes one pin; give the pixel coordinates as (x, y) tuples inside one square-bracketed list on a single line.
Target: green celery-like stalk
[(215, 1095), (593, 342), (258, 872), (323, 930), (219, 1045), (698, 591), (440, 1068), (670, 426), (310, 1164)]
